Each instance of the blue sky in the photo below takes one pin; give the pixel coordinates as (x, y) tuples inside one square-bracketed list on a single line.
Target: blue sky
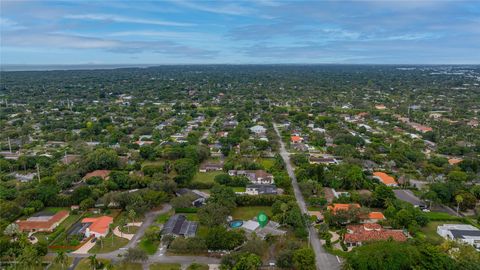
[(256, 31)]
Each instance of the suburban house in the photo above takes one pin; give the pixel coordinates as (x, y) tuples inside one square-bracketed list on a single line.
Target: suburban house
[(258, 189), (207, 167), (326, 160), (467, 234), (200, 197), (385, 179), (255, 176), (68, 159), (380, 107), (372, 217), (98, 173), (296, 139), (358, 234), (42, 222), (258, 129), (454, 161), (336, 207), (178, 225), (24, 177), (97, 227)]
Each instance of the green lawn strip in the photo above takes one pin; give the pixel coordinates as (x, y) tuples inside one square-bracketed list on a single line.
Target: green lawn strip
[(434, 216), (148, 246), (198, 266), (267, 163), (64, 226), (58, 266), (239, 189), (249, 212), (128, 266), (84, 264), (161, 219), (165, 266), (207, 177), (108, 246)]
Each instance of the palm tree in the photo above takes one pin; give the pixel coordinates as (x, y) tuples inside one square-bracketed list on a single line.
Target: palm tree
[(93, 262), (459, 200), (61, 258)]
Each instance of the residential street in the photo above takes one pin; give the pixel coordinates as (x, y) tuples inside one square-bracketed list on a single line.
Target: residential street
[(324, 260)]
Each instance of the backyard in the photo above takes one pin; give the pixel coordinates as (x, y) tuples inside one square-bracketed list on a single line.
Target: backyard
[(249, 212), (206, 177), (108, 244)]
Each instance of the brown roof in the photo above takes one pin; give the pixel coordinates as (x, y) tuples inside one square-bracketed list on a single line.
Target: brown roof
[(28, 225), (100, 224), (372, 232), (98, 173)]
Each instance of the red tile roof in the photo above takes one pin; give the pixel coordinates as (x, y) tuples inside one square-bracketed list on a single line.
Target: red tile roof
[(296, 139), (372, 232), (99, 225), (29, 225), (385, 178), (342, 207)]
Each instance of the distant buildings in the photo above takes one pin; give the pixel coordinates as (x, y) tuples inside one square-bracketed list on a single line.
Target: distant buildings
[(258, 130), (258, 189), (98, 173), (207, 167)]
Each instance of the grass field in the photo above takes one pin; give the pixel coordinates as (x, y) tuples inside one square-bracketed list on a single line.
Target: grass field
[(57, 266), (207, 177), (84, 264), (249, 212), (161, 219), (164, 266), (441, 216), (133, 229), (239, 189), (149, 246), (108, 246), (267, 163), (198, 266)]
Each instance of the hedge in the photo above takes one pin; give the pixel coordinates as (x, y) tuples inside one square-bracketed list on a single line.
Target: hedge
[(186, 210)]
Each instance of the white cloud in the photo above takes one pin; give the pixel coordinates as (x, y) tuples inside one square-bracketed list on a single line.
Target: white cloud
[(228, 9), (122, 19)]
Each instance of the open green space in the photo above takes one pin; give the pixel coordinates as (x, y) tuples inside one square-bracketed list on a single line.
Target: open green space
[(150, 247), (249, 212), (206, 177), (164, 266), (84, 264), (433, 216), (108, 244), (429, 232), (239, 189), (267, 163)]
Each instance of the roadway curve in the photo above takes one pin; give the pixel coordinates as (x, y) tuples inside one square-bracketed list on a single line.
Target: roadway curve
[(324, 260)]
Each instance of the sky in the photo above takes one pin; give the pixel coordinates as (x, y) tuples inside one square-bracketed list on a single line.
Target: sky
[(239, 32)]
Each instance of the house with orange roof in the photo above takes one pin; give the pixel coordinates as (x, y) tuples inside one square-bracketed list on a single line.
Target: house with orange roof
[(98, 173), (296, 139), (98, 226), (358, 234), (454, 161), (385, 179), (42, 222), (343, 207), (380, 107), (372, 217)]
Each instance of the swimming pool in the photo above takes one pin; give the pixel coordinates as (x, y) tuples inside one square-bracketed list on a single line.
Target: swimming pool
[(236, 223)]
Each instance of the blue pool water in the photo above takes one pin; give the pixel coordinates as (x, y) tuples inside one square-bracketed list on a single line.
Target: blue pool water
[(236, 223)]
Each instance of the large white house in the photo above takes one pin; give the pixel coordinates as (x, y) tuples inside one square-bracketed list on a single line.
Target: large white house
[(461, 232)]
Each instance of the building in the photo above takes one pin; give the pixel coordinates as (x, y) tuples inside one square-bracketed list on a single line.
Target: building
[(98, 173), (326, 160), (259, 189), (454, 161), (358, 234), (42, 222), (255, 176), (380, 107), (199, 197), (372, 217), (342, 207), (24, 177), (178, 225), (467, 234), (97, 227), (258, 129), (385, 179), (207, 167), (296, 139)]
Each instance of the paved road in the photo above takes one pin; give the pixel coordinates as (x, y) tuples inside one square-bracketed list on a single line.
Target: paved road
[(324, 260), (207, 132), (408, 196)]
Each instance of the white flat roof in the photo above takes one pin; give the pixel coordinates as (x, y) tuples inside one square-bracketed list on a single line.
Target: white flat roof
[(250, 225)]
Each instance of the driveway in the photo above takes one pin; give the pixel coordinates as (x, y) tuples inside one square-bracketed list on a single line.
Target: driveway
[(324, 260)]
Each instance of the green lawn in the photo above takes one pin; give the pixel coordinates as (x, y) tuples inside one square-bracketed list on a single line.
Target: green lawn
[(57, 266), (202, 231), (66, 224), (429, 232), (164, 266), (161, 219), (128, 266), (249, 212), (239, 189), (108, 246), (207, 177), (149, 246), (267, 163), (84, 264), (441, 216), (130, 230), (198, 266)]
